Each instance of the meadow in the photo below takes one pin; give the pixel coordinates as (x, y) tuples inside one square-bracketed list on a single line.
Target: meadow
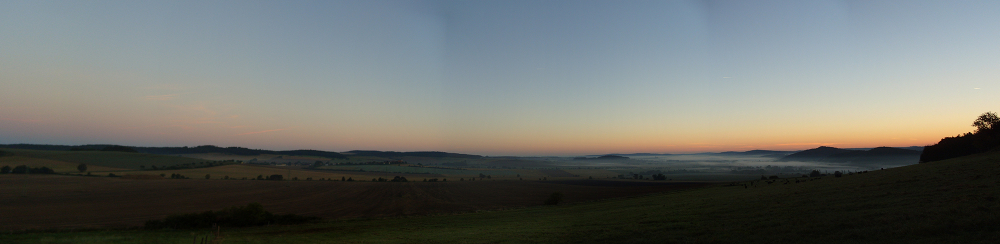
[(67, 161), (946, 201)]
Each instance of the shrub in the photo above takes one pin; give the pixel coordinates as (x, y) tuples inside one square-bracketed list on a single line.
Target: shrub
[(837, 174), (252, 214), (554, 199), (5, 170), (275, 177)]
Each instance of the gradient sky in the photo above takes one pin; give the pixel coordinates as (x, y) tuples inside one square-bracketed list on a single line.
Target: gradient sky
[(497, 77)]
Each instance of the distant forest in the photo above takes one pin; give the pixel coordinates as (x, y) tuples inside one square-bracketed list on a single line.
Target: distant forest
[(985, 138)]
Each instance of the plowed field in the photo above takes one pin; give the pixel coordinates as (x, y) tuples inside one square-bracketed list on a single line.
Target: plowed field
[(52, 201)]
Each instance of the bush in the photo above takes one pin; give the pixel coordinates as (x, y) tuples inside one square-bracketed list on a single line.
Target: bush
[(837, 174), (252, 214), (23, 169), (275, 177), (5, 170), (554, 199)]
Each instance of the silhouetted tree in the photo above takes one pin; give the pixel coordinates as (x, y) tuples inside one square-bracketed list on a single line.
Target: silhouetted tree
[(987, 122), (5, 170), (837, 174), (554, 199), (117, 148), (20, 169), (208, 176), (81, 168), (986, 138), (814, 173)]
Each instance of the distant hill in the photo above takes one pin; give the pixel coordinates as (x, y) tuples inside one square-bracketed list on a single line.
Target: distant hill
[(604, 157), (879, 155), (390, 154), (176, 150), (633, 154), (760, 153)]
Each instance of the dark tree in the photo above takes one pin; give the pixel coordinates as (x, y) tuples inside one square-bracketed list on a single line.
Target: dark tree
[(117, 148), (837, 174), (20, 169), (814, 173), (986, 138), (208, 176), (275, 177), (986, 122), (554, 199), (82, 168), (5, 170)]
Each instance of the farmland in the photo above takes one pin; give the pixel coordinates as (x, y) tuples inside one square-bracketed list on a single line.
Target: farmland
[(948, 201), (66, 161), (54, 201)]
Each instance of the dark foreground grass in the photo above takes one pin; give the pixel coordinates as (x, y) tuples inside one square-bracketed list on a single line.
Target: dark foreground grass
[(949, 201)]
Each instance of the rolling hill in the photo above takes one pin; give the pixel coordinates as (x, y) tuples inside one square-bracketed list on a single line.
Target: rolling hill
[(873, 157), (950, 201)]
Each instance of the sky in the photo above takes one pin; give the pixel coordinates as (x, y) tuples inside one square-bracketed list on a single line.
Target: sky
[(497, 78)]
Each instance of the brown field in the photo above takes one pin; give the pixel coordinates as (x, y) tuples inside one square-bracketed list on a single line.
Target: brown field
[(54, 201)]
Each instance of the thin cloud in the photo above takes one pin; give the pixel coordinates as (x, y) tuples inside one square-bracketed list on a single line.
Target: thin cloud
[(258, 132)]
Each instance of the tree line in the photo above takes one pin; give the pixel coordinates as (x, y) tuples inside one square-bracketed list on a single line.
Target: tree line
[(24, 169), (985, 138)]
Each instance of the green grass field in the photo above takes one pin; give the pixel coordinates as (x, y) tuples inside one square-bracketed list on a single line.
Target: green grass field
[(112, 161), (948, 201)]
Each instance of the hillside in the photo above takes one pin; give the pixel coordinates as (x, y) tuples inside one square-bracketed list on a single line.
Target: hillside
[(875, 157), (66, 161), (179, 150), (400, 155), (948, 201)]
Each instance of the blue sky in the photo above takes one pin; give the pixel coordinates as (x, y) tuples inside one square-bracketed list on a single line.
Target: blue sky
[(497, 77)]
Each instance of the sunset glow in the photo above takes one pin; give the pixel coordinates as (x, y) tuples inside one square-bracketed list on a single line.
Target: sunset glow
[(497, 77)]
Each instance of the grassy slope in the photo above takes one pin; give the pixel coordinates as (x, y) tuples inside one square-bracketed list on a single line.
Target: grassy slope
[(117, 160), (948, 201)]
